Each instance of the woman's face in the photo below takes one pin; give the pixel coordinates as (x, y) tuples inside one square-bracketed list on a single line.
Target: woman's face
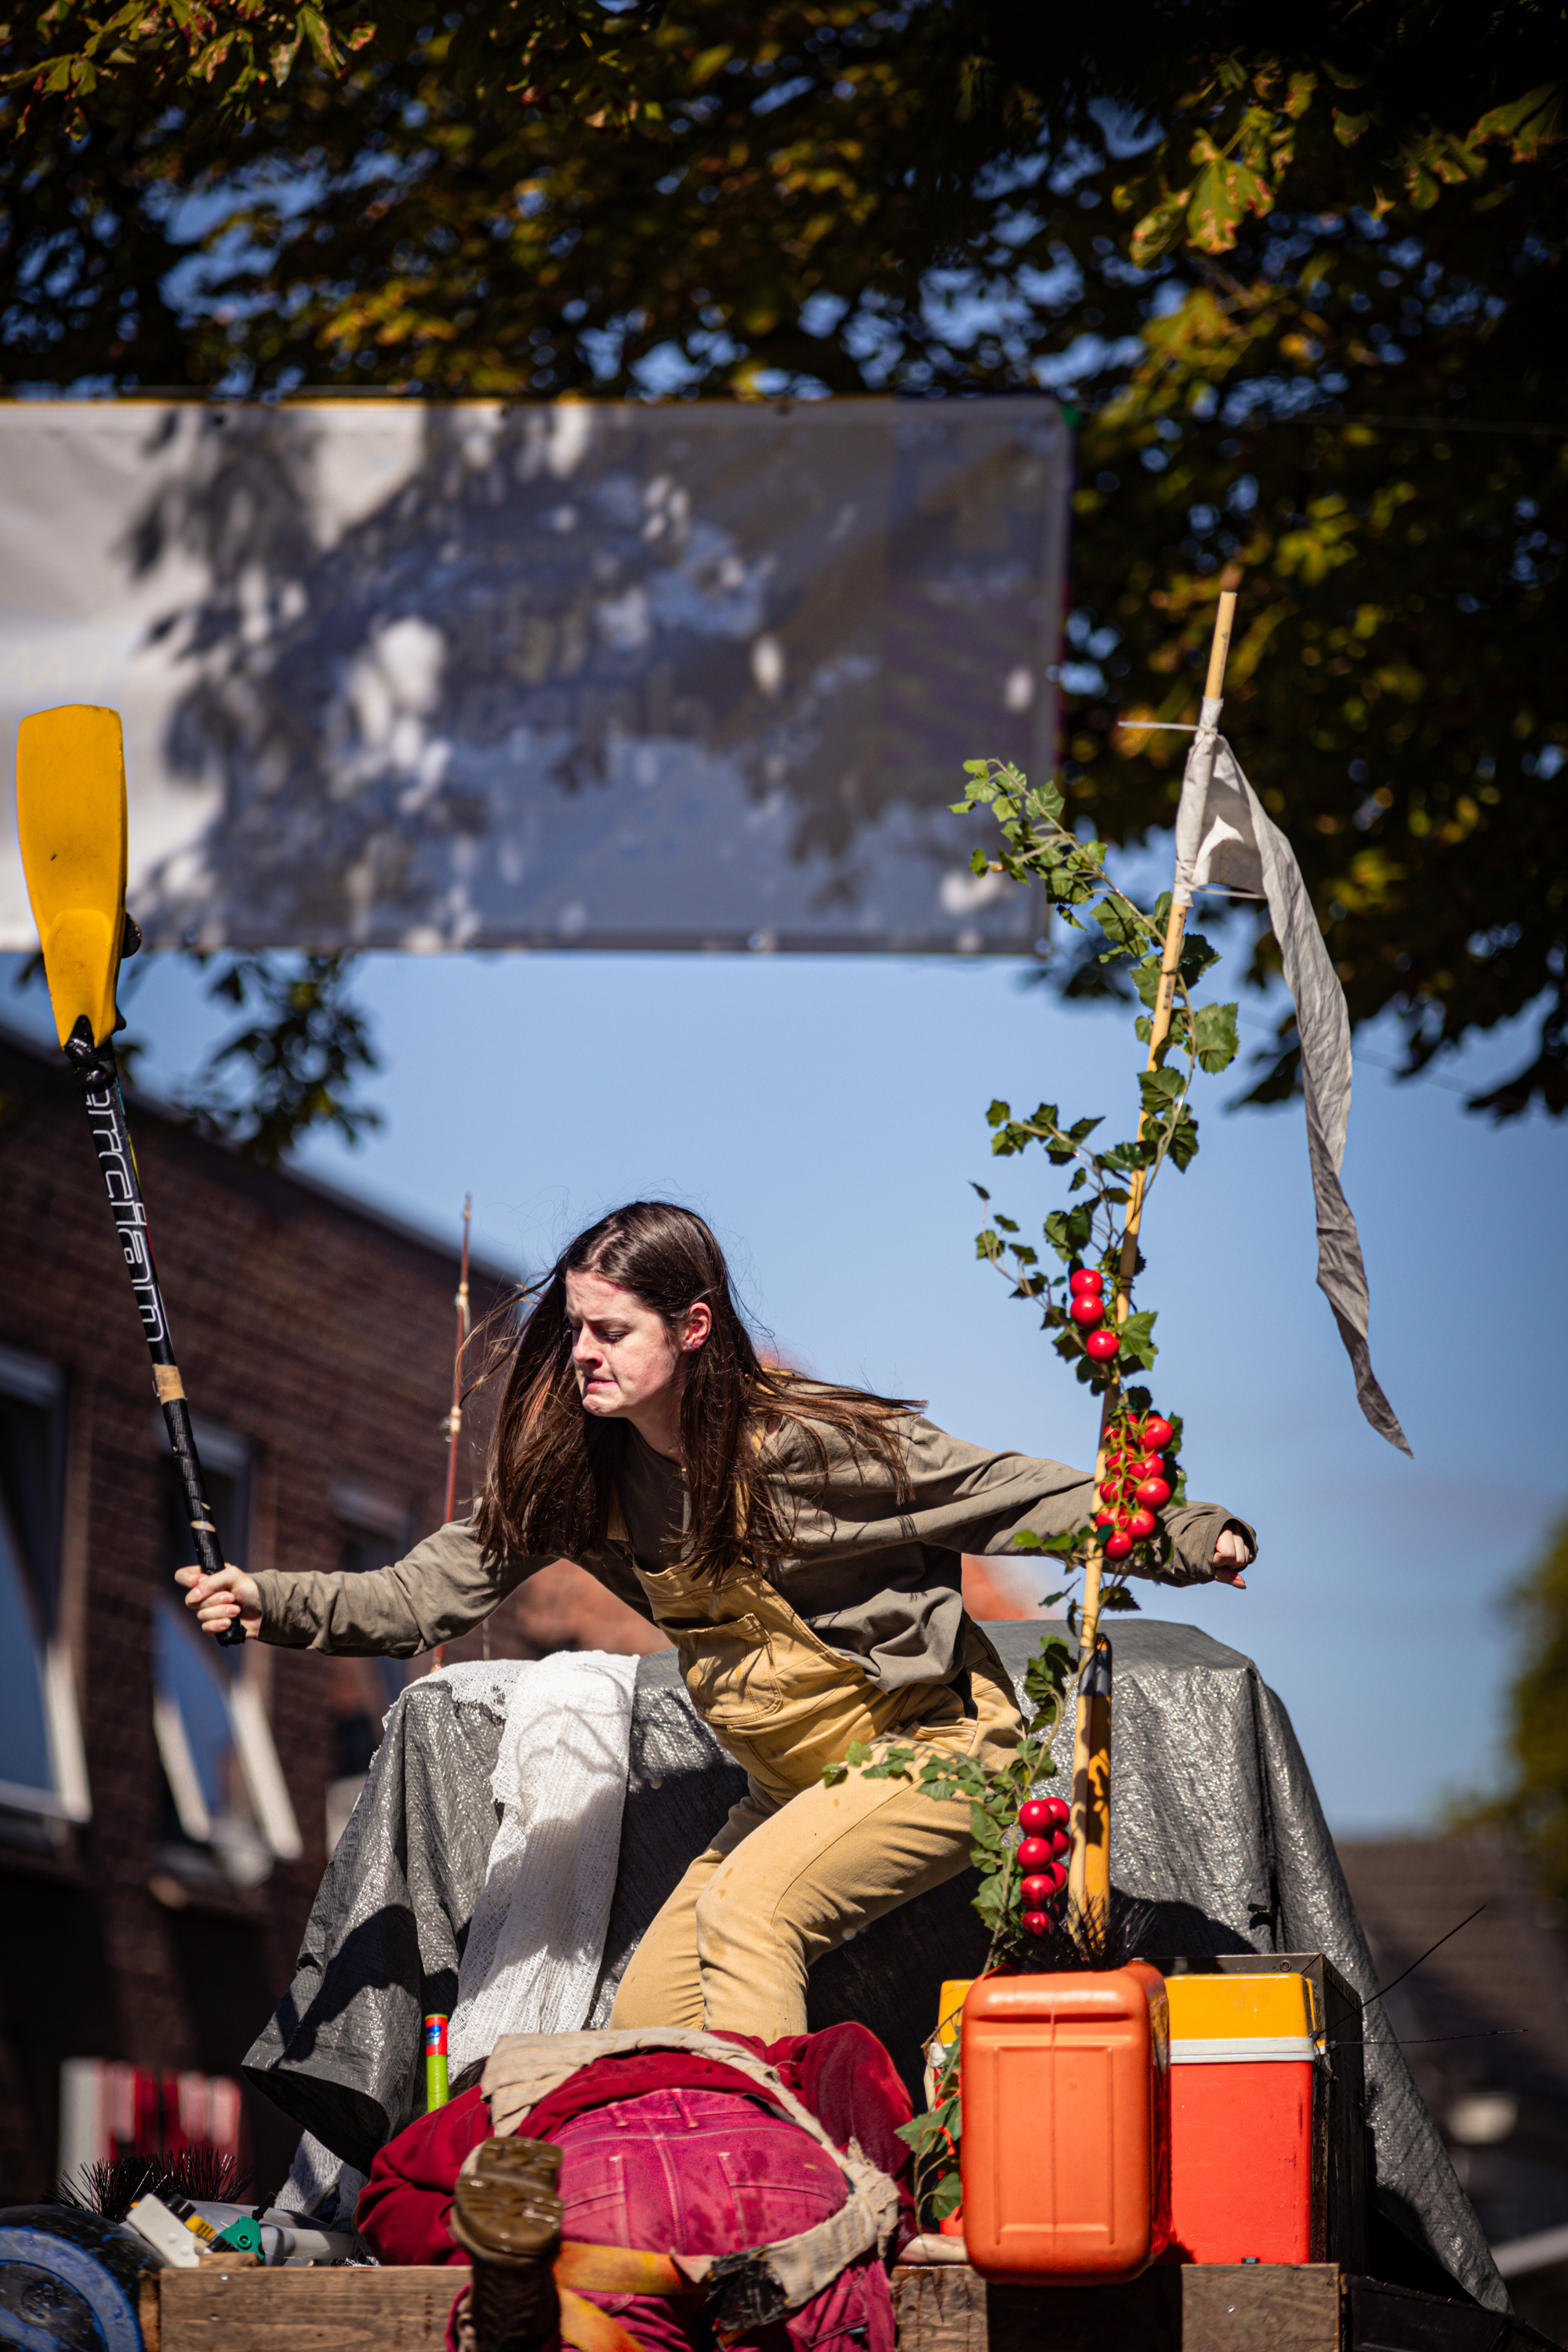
[(624, 1356)]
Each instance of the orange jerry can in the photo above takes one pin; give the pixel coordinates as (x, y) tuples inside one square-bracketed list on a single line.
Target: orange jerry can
[(1064, 2156), (1248, 2149)]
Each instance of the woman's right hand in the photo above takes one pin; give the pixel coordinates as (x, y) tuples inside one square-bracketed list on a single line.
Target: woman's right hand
[(219, 1600)]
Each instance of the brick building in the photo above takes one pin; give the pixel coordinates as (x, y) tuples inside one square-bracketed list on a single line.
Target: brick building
[(163, 1804)]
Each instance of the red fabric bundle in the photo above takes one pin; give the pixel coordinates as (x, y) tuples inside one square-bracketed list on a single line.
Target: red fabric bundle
[(660, 2149), (843, 2074)]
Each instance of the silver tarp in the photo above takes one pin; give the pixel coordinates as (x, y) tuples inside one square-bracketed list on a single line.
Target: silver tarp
[(1215, 1820), (406, 674)]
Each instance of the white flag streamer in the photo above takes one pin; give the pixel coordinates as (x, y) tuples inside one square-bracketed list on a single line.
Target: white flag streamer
[(1225, 838)]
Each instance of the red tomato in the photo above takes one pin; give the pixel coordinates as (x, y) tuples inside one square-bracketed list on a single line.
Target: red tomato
[(1103, 1346), (1037, 1892), (1037, 1924), (1034, 1854), (1061, 1843), (1157, 1432), (1060, 1813), (1088, 1307), (1116, 1546), (1149, 1465), (1035, 1815), (1088, 1277), (1141, 1524), (1153, 1493)]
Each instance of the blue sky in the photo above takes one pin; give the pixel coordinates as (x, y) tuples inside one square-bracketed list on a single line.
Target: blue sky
[(828, 1115)]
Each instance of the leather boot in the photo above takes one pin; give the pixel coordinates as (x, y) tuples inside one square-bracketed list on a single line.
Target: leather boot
[(506, 2216)]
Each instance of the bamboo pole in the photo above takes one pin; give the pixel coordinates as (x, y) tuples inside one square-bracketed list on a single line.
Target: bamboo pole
[(455, 1417), (1089, 1871)]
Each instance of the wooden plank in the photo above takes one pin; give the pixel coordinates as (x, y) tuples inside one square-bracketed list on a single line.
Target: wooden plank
[(367, 2310), (1190, 2307), (1196, 2307), (1260, 2307)]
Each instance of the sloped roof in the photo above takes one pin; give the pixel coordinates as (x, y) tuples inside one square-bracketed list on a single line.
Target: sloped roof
[(1461, 2012)]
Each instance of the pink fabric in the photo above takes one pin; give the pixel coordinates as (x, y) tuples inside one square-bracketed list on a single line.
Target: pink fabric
[(709, 2173), (692, 2164)]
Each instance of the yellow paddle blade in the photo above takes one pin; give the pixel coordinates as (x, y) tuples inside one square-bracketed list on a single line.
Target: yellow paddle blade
[(70, 813)]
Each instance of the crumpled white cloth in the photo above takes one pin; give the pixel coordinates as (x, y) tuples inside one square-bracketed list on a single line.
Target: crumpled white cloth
[(537, 1939)]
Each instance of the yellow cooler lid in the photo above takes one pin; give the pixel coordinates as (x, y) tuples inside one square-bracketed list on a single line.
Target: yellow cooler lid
[(950, 2009), (1241, 2020)]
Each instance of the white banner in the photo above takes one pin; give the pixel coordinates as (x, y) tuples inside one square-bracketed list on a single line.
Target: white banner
[(577, 675)]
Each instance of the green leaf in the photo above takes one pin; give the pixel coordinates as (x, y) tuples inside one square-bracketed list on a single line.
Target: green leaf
[(1527, 124), (1137, 1341), (1196, 956), (1120, 927), (318, 35), (947, 2195), (1184, 1144), (1146, 981), (1222, 191), (1214, 1036), (1161, 1091), (1116, 1596)]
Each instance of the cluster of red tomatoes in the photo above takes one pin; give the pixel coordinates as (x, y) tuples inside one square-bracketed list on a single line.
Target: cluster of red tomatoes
[(1042, 1858), (1136, 1482), (1087, 1308)]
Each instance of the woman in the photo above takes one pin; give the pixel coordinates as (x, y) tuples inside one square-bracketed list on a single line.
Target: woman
[(799, 1543)]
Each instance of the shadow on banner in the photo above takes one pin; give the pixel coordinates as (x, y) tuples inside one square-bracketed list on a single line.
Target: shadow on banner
[(405, 676)]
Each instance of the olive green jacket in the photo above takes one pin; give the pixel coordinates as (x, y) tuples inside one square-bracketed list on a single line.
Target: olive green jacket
[(873, 1575)]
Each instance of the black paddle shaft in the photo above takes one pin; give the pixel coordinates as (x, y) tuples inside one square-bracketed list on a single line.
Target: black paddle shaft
[(98, 1077)]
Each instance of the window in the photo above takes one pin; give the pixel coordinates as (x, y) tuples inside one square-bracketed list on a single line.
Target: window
[(43, 1771), (228, 1811)]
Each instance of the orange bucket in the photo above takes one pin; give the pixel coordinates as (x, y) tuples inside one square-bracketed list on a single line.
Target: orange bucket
[(1064, 2155)]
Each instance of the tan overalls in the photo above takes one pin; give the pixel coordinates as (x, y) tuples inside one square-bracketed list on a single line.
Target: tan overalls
[(798, 1867)]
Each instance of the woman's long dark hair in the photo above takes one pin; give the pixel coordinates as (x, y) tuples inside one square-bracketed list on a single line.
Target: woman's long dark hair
[(551, 1476)]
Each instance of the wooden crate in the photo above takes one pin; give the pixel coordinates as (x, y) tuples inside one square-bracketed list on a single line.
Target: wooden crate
[(1219, 2307)]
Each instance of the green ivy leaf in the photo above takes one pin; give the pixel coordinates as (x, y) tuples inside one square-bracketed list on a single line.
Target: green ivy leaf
[(1216, 1037), (1183, 1145), (1196, 956), (947, 2195), (1137, 1341)]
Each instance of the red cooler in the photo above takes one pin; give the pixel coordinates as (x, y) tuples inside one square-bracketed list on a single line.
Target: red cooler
[(1248, 2147)]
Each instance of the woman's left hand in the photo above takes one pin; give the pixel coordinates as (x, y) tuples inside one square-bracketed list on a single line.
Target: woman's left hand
[(1232, 1553)]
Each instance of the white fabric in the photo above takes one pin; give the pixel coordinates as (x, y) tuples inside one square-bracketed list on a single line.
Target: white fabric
[(320, 2187), (1226, 839), (537, 1939)]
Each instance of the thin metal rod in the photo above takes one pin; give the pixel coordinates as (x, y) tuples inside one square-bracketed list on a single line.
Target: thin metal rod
[(98, 1075)]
